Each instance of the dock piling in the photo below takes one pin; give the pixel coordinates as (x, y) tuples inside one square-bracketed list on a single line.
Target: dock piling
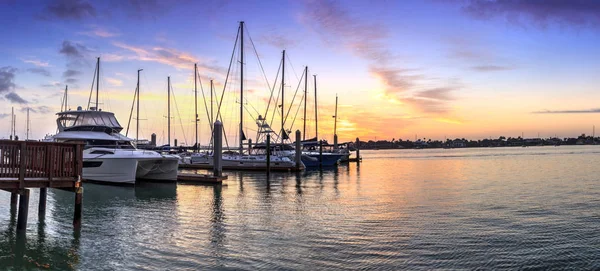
[(23, 210), (218, 149), (78, 208), (13, 200), (298, 151), (335, 142), (42, 204)]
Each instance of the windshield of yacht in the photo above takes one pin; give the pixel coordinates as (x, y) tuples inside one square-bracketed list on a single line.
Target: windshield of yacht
[(88, 118), (90, 143)]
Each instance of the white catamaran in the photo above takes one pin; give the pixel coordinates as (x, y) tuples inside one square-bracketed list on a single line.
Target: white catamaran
[(109, 156)]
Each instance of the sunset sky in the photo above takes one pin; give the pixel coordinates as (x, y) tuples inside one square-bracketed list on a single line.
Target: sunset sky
[(402, 69)]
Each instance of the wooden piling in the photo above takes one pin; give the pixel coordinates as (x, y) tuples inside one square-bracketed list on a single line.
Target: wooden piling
[(335, 142), (13, 200), (268, 154), (218, 149), (42, 204), (298, 152), (78, 208), (23, 210)]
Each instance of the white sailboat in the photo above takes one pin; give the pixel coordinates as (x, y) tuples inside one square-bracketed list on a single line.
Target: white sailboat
[(109, 156)]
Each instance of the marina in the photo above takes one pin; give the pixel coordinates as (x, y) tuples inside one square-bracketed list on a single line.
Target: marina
[(388, 212)]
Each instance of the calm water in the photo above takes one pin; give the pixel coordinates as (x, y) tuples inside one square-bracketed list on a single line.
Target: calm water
[(492, 208)]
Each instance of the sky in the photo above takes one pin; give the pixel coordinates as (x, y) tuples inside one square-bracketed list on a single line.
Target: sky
[(401, 69)]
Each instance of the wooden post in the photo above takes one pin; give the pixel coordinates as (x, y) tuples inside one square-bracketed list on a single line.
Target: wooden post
[(320, 153), (249, 146), (78, 208), (23, 210), (357, 150), (22, 164), (298, 152), (13, 200), (268, 149), (42, 204), (218, 149)]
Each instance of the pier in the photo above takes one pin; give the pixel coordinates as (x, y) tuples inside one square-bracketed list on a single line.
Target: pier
[(30, 164)]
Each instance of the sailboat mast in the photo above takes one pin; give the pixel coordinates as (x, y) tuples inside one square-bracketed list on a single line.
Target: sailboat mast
[(137, 114), (241, 148), (196, 104), (305, 94), (316, 113), (97, 81), (12, 121), (282, 98), (169, 109), (335, 116), (27, 134), (211, 103)]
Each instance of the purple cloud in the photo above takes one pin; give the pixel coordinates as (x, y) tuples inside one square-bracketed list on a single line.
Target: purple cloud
[(69, 9), (541, 12), (491, 68)]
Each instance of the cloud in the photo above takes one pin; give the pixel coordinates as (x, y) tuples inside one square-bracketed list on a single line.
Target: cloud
[(71, 73), (36, 62), (541, 13), (52, 85), (491, 68), (15, 98), (441, 93), (113, 81), (169, 56), (4, 115), (69, 10), (368, 41), (37, 109), (97, 31), (40, 71), (7, 79), (581, 111), (277, 40), (73, 51), (71, 81)]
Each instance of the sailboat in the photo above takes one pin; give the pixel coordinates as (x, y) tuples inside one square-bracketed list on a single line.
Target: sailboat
[(248, 160), (108, 156), (312, 156)]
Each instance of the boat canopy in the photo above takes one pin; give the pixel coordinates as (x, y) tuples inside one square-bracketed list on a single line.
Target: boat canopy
[(89, 135), (88, 120)]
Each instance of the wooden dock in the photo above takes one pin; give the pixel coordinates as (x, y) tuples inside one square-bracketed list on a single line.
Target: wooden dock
[(200, 178), (43, 165)]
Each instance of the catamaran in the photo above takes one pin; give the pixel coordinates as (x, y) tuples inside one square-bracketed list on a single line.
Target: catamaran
[(108, 156)]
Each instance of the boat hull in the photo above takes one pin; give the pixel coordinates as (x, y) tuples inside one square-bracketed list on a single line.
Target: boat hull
[(245, 162)]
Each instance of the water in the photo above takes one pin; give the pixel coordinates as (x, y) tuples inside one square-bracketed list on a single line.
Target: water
[(493, 208)]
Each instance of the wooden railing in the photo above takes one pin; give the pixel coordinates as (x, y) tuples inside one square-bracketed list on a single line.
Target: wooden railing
[(39, 164)]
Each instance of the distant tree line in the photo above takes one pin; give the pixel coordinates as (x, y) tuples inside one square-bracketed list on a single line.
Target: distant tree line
[(502, 141)]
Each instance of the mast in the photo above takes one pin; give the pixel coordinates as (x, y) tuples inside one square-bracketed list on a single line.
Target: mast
[(282, 100), (65, 100), (211, 103), (196, 104), (316, 113), (12, 121), (241, 148), (27, 134), (305, 94), (97, 81), (169, 109), (335, 116), (137, 114)]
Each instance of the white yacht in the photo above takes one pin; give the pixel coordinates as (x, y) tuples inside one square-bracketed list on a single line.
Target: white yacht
[(109, 156)]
